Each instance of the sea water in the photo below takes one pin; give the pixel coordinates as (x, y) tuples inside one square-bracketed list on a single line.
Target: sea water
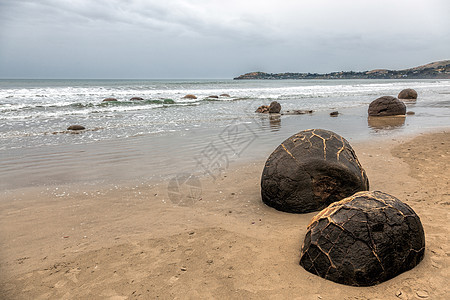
[(166, 133)]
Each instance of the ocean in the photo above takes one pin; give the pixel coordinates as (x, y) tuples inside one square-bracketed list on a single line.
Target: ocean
[(166, 134)]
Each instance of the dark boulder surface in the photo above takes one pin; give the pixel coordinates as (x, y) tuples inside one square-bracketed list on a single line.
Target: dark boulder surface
[(136, 99), (76, 127), (334, 113), (310, 170), (408, 94), (387, 106), (274, 107), (363, 240)]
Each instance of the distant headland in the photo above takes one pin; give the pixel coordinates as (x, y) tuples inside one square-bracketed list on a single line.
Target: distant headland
[(435, 70)]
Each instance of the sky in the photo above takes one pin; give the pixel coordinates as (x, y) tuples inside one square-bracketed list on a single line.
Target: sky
[(174, 39)]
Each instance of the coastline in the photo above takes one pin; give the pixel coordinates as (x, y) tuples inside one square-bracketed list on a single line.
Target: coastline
[(128, 240)]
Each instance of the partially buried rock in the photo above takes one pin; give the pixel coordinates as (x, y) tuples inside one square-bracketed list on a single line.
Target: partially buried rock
[(263, 109), (76, 127), (387, 106), (363, 240), (136, 99), (297, 112), (310, 170), (224, 95), (274, 107), (334, 113), (408, 94), (109, 100), (190, 96)]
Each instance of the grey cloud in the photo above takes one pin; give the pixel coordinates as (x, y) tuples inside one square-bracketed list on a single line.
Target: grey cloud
[(204, 38)]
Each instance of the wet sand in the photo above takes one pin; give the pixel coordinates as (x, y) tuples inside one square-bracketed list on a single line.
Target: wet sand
[(140, 241)]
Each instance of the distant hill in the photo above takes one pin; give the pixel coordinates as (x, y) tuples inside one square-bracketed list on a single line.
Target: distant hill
[(434, 70)]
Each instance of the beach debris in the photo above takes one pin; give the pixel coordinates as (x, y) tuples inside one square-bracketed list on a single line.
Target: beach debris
[(76, 127), (297, 112), (190, 96), (225, 95), (263, 109), (407, 94), (334, 113), (363, 240), (310, 170), (110, 100), (136, 99), (387, 106)]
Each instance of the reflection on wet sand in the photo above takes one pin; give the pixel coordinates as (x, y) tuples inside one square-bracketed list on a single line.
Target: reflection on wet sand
[(389, 122), (275, 122)]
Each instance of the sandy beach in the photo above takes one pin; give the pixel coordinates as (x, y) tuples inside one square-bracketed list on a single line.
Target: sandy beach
[(126, 242)]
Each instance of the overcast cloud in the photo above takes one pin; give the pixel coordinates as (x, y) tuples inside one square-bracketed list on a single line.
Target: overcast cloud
[(216, 39)]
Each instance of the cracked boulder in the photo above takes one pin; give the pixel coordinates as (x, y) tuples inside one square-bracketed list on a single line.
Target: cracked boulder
[(310, 170), (386, 106), (363, 240)]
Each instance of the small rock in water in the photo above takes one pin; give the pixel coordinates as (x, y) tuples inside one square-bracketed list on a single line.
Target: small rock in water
[(297, 112), (224, 95), (264, 109), (136, 98), (274, 107), (110, 100), (76, 127), (410, 113), (213, 97), (334, 113), (190, 96)]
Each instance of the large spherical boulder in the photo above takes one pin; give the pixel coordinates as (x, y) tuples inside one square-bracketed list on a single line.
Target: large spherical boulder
[(387, 106), (274, 107), (363, 240), (310, 170), (408, 94)]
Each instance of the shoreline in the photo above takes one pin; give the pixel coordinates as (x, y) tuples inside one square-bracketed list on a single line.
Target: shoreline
[(156, 158), (111, 241)]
